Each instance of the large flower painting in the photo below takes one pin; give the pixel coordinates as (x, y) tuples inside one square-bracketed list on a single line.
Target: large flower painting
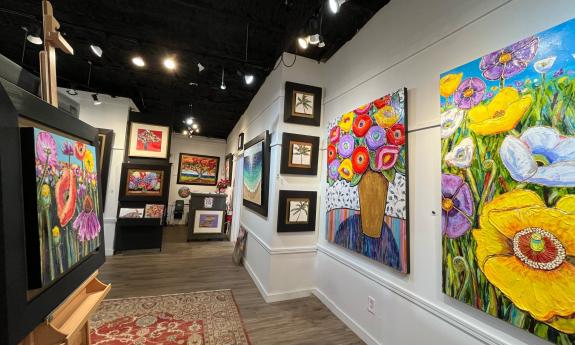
[(68, 206), (367, 181), (508, 196)]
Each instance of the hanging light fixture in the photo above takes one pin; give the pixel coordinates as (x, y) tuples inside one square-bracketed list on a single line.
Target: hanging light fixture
[(335, 5), (96, 100), (96, 50), (191, 127), (223, 86), (34, 35), (303, 42), (248, 77)]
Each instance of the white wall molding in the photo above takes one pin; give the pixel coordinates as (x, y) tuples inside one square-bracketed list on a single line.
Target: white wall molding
[(275, 296), (280, 250), (441, 313)]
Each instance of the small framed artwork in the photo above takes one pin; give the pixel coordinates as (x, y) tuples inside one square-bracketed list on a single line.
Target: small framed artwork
[(105, 143), (198, 170), (299, 154), (229, 167), (129, 212), (208, 222), (148, 141), (144, 182), (296, 211), (256, 174), (241, 141), (240, 247), (154, 211), (302, 104)]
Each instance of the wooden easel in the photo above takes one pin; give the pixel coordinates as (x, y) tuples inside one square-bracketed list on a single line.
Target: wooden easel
[(69, 322)]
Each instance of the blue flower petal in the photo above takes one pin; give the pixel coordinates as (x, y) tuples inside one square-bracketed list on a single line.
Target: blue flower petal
[(517, 158), (540, 139), (555, 175), (565, 150)]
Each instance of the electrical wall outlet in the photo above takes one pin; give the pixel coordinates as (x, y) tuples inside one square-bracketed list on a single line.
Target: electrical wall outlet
[(371, 304)]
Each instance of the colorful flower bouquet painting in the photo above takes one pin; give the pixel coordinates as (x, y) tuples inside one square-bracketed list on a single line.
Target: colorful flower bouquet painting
[(143, 182), (508, 178), (67, 226), (367, 181)]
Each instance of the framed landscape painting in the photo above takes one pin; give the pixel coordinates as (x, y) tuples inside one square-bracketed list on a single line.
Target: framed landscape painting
[(256, 174), (66, 228), (299, 154), (296, 211), (367, 192), (208, 222), (198, 170), (148, 141), (302, 104), (143, 182), (508, 183)]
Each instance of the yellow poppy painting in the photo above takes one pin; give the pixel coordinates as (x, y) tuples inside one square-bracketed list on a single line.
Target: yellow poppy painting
[(508, 183)]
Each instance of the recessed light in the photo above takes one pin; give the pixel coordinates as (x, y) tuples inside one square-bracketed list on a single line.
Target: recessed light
[(96, 50), (170, 63), (138, 61), (249, 78)]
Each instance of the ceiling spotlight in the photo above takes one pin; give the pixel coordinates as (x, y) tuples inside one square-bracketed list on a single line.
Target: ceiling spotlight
[(223, 86), (314, 39), (195, 126), (303, 42), (185, 132), (138, 61), (192, 83), (96, 50), (96, 100), (200, 67), (249, 78), (335, 5), (189, 121), (321, 44), (34, 36), (170, 63)]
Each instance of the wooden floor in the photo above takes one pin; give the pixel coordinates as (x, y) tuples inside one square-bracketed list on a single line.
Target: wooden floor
[(198, 266)]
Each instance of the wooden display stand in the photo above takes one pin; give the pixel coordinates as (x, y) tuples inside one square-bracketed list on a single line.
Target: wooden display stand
[(69, 323)]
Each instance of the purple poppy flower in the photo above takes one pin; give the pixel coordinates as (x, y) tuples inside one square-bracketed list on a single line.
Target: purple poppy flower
[(375, 138), (346, 146), (558, 73), (509, 61), (87, 224), (469, 93), (333, 167), (67, 149), (456, 206), (46, 151)]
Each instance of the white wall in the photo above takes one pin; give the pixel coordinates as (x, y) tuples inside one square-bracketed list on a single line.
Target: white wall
[(196, 145), (406, 44), (409, 43), (111, 114)]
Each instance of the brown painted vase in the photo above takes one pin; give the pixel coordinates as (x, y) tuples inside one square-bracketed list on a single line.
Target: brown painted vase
[(372, 198)]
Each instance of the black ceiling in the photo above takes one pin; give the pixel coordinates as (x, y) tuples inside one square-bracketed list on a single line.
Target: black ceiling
[(206, 31)]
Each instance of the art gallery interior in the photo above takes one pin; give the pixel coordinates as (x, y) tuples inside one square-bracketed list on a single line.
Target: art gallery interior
[(287, 172)]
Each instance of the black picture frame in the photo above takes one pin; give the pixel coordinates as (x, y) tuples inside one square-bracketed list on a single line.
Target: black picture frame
[(287, 166), (162, 197), (229, 160), (105, 144), (20, 313), (285, 196), (180, 181), (240, 141), (264, 140), (291, 115)]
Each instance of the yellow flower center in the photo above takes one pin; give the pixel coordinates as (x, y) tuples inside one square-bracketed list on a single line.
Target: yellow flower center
[(468, 92), (537, 242), (499, 113), (505, 58), (45, 191), (447, 204)]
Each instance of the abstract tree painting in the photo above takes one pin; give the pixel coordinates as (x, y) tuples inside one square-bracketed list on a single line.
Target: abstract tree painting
[(198, 170), (508, 183), (68, 205), (367, 181)]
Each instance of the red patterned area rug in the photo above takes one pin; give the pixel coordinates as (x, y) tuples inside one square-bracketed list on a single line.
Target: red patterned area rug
[(198, 318)]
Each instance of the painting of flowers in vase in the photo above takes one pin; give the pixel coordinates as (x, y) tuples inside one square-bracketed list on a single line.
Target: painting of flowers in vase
[(66, 226), (367, 181), (508, 183)]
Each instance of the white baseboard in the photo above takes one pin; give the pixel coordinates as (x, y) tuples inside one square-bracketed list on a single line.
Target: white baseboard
[(109, 252), (349, 322), (275, 296)]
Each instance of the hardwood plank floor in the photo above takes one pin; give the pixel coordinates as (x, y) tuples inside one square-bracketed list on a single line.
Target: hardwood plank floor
[(198, 266)]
